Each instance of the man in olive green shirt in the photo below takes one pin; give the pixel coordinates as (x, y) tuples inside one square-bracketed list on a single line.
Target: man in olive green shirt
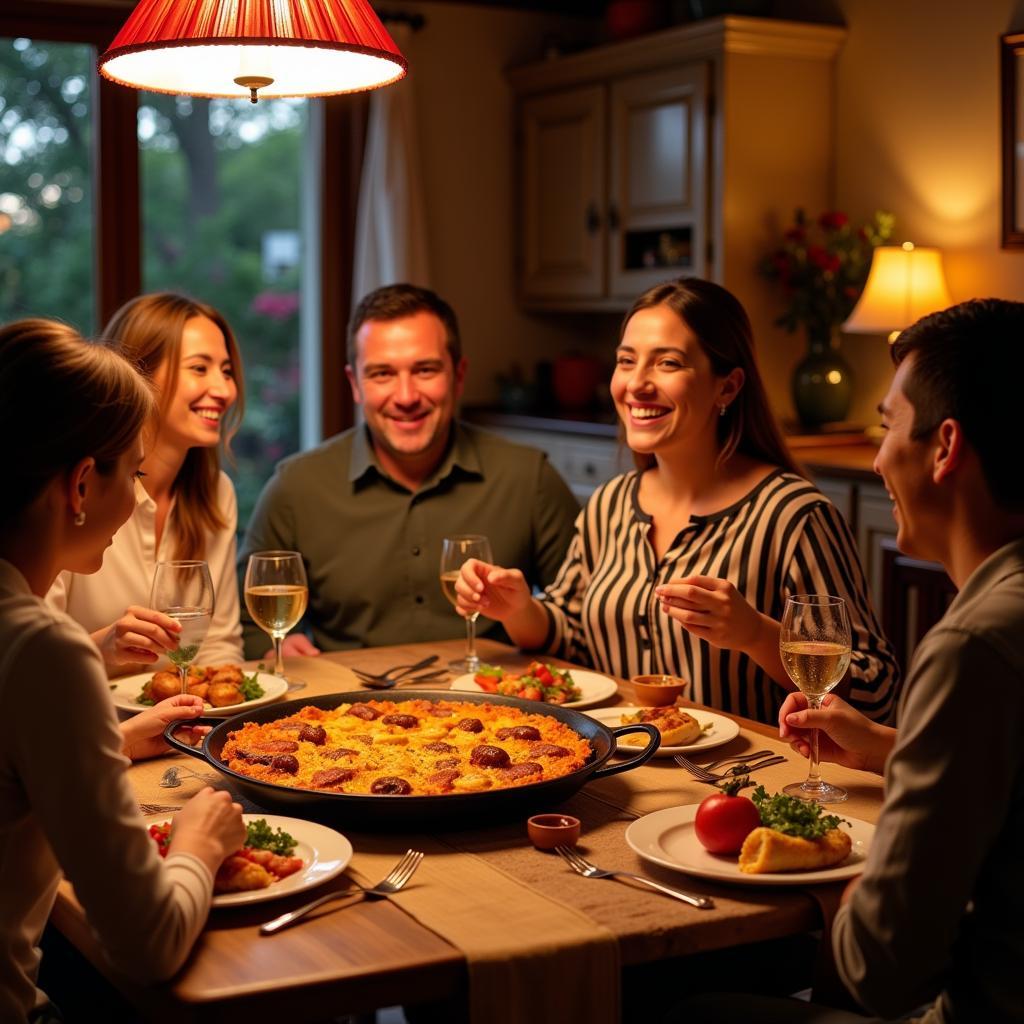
[(368, 508)]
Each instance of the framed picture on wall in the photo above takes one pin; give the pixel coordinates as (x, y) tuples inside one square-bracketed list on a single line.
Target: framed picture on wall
[(1012, 75)]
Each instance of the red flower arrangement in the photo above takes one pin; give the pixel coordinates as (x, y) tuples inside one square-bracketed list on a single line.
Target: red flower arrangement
[(822, 267)]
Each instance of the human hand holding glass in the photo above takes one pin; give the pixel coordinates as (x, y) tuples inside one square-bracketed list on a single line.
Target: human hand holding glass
[(276, 594), (454, 552), (815, 647), (183, 590)]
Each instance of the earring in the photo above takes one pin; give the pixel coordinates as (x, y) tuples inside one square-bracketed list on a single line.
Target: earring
[(721, 409), (79, 519)]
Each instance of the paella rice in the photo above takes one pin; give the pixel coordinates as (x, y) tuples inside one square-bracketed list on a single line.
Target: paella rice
[(407, 748)]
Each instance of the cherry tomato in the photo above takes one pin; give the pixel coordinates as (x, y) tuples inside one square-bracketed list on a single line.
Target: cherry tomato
[(724, 821)]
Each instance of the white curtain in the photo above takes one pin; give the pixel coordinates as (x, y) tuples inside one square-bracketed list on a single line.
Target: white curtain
[(391, 230)]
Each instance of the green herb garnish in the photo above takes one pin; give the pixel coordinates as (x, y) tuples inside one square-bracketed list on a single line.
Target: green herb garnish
[(490, 670), (143, 699), (793, 816), (260, 836), (250, 687)]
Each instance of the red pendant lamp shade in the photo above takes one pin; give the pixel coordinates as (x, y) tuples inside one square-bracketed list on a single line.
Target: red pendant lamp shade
[(231, 48)]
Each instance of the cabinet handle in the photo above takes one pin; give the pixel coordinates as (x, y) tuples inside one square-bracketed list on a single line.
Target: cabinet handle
[(593, 218), (613, 217)]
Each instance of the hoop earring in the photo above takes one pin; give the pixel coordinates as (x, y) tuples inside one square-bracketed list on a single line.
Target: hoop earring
[(79, 519), (721, 409)]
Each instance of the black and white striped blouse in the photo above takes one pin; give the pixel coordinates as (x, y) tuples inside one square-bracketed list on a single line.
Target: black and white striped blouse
[(785, 537)]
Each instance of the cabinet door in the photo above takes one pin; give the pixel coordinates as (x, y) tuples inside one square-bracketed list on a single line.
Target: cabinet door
[(874, 525), (563, 139), (658, 209)]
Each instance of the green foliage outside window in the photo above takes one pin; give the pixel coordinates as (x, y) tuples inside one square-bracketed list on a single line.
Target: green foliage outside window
[(216, 177)]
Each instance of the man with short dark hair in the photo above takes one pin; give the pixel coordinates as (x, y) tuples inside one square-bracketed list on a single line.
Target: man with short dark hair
[(369, 507), (938, 916)]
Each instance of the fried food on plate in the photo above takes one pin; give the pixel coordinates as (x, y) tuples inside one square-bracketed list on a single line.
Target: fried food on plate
[(677, 728), (220, 695), (768, 850)]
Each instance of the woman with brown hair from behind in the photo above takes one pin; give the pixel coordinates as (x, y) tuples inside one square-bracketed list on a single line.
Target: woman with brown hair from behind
[(683, 565), (185, 504), (65, 804)]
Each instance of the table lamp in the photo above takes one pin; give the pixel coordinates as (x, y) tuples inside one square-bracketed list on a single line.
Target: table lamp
[(905, 284)]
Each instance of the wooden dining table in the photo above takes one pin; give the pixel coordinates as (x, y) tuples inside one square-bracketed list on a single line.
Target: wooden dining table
[(356, 956)]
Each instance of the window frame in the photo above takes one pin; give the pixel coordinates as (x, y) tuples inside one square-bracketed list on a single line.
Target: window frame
[(117, 246)]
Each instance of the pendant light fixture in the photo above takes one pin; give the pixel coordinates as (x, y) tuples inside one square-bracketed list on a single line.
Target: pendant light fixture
[(253, 48)]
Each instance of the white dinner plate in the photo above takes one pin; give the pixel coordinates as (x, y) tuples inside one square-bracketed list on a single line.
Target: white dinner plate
[(720, 730), (593, 686), (668, 838), (124, 692), (325, 852)]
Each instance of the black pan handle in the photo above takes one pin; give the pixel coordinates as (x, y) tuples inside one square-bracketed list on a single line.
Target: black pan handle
[(642, 757), (185, 748)]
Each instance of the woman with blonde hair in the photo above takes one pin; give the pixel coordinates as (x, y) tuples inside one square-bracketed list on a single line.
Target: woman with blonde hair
[(185, 505), (65, 804), (683, 566)]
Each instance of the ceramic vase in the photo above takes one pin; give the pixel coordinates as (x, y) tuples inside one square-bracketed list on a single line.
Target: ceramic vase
[(822, 380)]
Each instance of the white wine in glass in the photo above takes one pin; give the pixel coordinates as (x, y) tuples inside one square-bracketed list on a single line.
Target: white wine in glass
[(454, 552), (814, 644), (276, 594), (184, 591)]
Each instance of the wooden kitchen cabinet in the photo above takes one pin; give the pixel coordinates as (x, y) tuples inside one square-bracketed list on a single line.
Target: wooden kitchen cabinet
[(613, 185), (667, 155)]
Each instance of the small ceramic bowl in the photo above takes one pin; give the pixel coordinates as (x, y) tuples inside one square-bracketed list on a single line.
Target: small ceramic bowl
[(547, 831), (657, 691)]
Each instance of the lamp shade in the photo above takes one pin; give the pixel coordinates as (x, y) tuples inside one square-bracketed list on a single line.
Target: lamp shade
[(231, 48), (905, 284)]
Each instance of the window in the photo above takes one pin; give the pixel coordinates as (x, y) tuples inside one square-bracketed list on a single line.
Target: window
[(222, 222), (46, 178), (139, 225)]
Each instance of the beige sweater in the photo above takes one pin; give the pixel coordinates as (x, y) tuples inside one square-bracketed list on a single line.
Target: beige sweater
[(65, 804)]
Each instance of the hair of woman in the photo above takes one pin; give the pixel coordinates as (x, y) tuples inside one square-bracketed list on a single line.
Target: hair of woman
[(147, 330), (86, 399), (722, 328)]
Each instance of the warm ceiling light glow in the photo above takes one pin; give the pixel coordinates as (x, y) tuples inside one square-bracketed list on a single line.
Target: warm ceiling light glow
[(234, 48), (905, 284)]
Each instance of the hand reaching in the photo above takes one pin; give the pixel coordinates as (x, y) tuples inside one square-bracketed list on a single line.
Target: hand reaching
[(294, 644), (845, 736), (209, 826), (140, 636), (713, 610), (495, 592), (143, 733)]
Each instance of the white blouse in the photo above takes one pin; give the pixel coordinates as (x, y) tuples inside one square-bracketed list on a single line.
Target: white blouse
[(100, 599), (65, 804)]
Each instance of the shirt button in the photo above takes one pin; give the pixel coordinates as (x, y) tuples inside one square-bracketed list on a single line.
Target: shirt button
[(419, 599), (416, 550)]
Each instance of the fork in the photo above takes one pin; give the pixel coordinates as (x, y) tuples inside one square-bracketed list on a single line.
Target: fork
[(396, 672), (703, 775), (394, 880), (739, 758), (583, 867), (171, 779), (373, 683)]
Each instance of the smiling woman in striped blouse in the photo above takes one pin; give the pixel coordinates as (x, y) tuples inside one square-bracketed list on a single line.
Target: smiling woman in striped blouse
[(683, 565)]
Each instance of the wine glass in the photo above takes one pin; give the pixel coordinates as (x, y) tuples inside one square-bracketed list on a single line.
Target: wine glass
[(276, 594), (814, 644), (454, 552), (184, 591)]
